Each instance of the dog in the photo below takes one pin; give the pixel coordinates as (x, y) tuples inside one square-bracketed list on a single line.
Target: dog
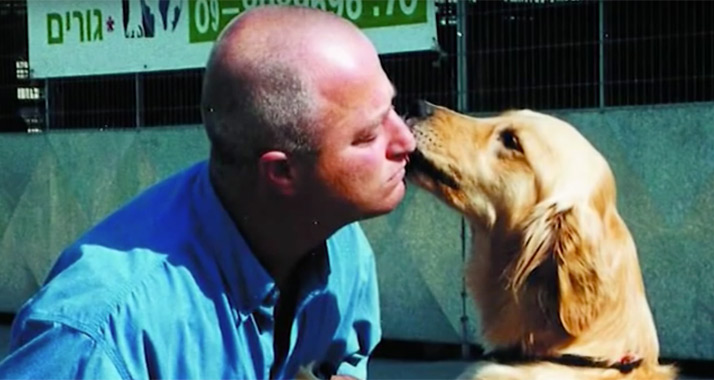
[(554, 270)]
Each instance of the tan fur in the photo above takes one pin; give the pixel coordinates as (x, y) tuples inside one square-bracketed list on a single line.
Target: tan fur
[(554, 269)]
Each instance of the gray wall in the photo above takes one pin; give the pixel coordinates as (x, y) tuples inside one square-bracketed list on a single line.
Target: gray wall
[(55, 185)]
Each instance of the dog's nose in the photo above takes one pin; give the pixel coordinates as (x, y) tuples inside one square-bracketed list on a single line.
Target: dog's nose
[(420, 109)]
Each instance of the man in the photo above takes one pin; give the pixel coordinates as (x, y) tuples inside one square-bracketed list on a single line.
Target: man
[(249, 265)]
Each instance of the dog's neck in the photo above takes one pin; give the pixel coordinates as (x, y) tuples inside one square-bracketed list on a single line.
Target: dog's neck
[(508, 320), (511, 356), (532, 323)]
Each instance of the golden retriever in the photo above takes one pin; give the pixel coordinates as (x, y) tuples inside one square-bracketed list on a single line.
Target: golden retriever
[(554, 269)]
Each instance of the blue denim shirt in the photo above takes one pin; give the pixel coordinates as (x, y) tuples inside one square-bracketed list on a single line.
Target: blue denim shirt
[(166, 287)]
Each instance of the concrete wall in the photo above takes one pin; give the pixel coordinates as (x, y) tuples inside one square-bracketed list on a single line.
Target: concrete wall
[(55, 185)]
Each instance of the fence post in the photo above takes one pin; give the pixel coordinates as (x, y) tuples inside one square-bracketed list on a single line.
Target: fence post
[(139, 100), (601, 54), (47, 104), (462, 101), (461, 61)]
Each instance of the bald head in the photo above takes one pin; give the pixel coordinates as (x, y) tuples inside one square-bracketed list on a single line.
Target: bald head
[(285, 32), (268, 74)]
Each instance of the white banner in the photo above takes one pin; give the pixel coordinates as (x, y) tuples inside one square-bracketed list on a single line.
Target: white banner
[(76, 38)]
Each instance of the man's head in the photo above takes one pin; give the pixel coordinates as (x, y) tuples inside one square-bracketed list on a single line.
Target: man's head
[(253, 99), (298, 98)]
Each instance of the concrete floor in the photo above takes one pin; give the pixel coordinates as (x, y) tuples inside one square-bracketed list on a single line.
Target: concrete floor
[(383, 369), (379, 369)]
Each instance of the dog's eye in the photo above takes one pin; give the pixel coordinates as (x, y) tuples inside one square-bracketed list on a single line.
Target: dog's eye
[(510, 140)]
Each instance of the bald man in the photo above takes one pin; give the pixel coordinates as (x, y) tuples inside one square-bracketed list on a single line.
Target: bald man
[(251, 264)]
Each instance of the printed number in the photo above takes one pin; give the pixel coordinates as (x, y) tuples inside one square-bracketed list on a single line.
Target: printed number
[(206, 15), (354, 9), (215, 14), (318, 4), (390, 7), (248, 4), (338, 6), (407, 9)]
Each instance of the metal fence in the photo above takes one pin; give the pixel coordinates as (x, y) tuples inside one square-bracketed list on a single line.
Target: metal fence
[(13, 49), (493, 55)]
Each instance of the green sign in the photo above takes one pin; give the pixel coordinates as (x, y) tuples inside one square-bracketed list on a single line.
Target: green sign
[(207, 18), (97, 37)]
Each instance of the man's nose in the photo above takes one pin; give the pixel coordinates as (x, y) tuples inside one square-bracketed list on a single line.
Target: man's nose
[(403, 141), (420, 109)]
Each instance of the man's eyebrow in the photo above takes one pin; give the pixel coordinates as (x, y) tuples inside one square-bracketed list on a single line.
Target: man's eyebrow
[(378, 118)]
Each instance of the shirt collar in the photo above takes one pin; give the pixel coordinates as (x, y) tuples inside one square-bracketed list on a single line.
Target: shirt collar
[(248, 283), (315, 269)]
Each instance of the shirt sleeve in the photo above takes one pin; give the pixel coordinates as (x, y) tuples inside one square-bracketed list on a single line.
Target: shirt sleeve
[(49, 350), (366, 329)]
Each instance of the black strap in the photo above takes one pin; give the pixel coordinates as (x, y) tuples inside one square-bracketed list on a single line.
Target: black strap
[(516, 356)]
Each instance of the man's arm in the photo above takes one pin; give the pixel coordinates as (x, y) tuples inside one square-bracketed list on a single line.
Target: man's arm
[(49, 350)]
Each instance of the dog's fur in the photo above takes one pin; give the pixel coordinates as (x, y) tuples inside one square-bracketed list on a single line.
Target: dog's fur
[(554, 269)]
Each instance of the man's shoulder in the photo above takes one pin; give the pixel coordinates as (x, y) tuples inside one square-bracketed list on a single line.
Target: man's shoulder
[(140, 259), (92, 283), (127, 301), (167, 201), (118, 297)]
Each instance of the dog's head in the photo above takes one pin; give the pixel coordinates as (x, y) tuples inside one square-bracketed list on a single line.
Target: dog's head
[(534, 179)]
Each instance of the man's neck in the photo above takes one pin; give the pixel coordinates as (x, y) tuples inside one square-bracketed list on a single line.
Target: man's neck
[(279, 232)]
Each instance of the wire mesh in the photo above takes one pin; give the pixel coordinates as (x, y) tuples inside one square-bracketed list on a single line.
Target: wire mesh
[(541, 54), (13, 79), (659, 52), (91, 102), (533, 55)]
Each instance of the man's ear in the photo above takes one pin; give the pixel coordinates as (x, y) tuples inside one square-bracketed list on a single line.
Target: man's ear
[(275, 170)]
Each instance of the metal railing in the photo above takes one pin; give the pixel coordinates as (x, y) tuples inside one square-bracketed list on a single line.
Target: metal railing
[(492, 55)]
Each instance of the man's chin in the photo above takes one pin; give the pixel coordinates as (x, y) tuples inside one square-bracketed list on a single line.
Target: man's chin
[(388, 203)]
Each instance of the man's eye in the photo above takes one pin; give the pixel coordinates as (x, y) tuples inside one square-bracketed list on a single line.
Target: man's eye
[(366, 136), (364, 139)]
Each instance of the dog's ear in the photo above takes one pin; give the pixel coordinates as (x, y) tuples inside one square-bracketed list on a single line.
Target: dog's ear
[(567, 237)]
